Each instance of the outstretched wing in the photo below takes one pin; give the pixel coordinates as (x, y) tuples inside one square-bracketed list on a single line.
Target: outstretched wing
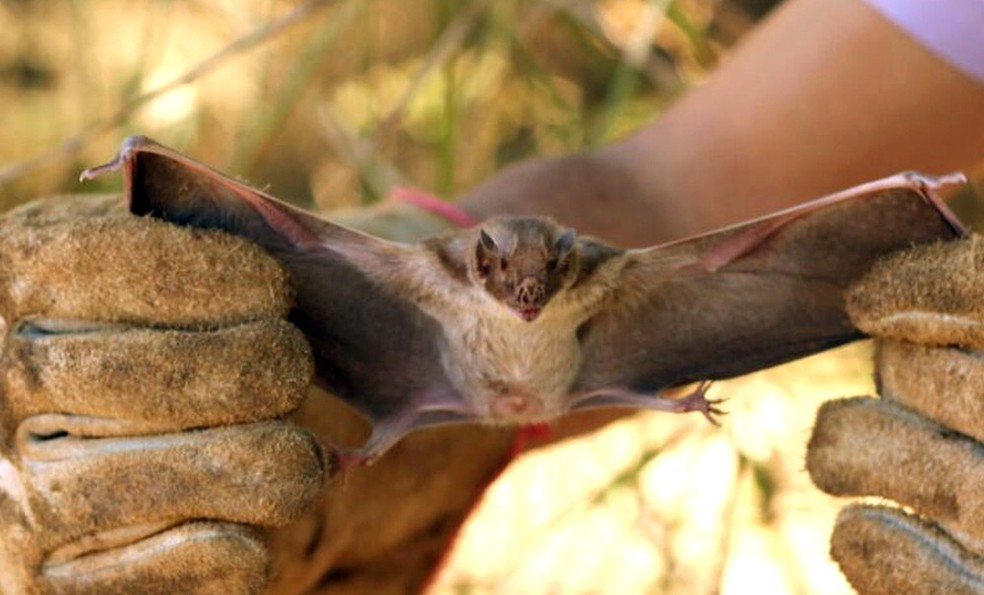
[(373, 347), (756, 294)]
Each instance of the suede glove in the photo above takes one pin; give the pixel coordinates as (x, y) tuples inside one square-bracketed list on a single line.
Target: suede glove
[(920, 444), (145, 371)]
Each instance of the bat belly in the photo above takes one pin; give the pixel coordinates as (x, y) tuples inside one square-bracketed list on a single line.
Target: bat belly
[(513, 371)]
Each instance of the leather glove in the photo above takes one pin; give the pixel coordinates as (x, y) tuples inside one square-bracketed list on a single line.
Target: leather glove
[(920, 444), (144, 372)]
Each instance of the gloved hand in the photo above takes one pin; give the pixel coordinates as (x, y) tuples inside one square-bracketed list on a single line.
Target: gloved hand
[(144, 371), (921, 443)]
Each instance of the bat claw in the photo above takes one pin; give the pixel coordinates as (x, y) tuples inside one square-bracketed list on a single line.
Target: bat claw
[(131, 144), (698, 401)]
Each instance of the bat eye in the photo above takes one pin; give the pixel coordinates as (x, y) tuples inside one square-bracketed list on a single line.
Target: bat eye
[(503, 264), (484, 269), (558, 265)]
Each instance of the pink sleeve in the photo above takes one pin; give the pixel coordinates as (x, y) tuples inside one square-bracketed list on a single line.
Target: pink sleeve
[(951, 29)]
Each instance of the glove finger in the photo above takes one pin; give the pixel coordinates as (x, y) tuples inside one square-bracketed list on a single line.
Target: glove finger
[(932, 294), (885, 551), (130, 269), (158, 379), (203, 557), (945, 384), (65, 207), (265, 474), (869, 447)]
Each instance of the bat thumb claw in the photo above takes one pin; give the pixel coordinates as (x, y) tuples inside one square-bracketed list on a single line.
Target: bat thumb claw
[(130, 146), (94, 172)]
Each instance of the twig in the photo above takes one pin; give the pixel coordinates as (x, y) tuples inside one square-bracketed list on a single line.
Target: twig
[(74, 145)]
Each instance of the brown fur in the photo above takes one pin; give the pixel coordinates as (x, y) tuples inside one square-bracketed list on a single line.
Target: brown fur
[(525, 267)]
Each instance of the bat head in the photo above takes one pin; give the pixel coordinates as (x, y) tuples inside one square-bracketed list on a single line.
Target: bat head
[(523, 262)]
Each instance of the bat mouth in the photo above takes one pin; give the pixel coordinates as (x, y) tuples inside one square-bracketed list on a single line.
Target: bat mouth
[(529, 313), (516, 407)]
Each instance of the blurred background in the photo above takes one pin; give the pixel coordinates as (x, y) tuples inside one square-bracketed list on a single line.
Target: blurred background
[(329, 104)]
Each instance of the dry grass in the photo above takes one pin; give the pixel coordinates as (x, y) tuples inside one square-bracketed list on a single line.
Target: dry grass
[(332, 101)]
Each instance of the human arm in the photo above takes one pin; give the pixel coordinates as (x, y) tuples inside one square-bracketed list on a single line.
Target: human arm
[(825, 94)]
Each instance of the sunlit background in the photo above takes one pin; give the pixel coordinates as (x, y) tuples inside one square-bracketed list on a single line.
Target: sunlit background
[(330, 104), (333, 101), (660, 504)]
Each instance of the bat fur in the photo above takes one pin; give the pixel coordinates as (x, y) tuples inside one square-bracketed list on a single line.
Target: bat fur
[(520, 320)]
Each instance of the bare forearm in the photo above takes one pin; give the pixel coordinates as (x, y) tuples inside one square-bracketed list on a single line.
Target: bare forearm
[(824, 95), (598, 195)]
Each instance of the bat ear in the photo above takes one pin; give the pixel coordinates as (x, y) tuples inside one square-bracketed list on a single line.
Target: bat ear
[(486, 251), (565, 243), (487, 242)]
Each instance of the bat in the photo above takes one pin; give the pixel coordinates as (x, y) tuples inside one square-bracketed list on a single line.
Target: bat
[(519, 319)]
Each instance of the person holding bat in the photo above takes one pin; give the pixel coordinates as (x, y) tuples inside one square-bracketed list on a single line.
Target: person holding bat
[(106, 469)]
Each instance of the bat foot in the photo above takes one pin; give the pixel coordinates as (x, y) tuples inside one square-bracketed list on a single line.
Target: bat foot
[(698, 401), (695, 400)]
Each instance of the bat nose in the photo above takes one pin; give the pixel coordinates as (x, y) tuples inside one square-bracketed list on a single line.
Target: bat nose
[(530, 292), (516, 406)]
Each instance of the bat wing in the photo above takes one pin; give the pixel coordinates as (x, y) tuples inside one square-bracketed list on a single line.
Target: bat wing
[(756, 294), (373, 347)]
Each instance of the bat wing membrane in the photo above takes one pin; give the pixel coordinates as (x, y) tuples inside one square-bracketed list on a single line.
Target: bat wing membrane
[(713, 306), (753, 295), (373, 347)]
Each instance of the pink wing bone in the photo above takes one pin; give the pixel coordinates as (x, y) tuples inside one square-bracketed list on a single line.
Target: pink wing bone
[(760, 230), (274, 211), (747, 238)]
